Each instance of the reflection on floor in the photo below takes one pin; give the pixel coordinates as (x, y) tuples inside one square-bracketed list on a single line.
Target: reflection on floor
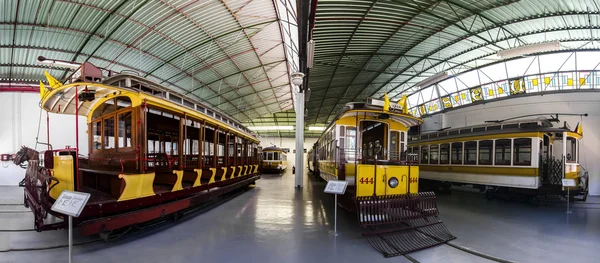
[(274, 222)]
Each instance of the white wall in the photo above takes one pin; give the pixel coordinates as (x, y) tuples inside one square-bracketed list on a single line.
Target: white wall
[(288, 143), (19, 119), (581, 102)]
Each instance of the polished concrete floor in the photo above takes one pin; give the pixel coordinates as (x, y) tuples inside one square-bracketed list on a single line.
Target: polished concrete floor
[(274, 222)]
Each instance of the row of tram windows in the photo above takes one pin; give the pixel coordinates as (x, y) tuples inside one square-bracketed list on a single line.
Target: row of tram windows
[(112, 117), (345, 140), (113, 130), (516, 152), (274, 156), (375, 139)]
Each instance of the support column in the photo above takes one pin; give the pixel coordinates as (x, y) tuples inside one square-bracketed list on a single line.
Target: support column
[(299, 139)]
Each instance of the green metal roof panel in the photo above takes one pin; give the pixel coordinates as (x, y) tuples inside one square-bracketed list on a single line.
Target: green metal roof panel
[(367, 48), (229, 50)]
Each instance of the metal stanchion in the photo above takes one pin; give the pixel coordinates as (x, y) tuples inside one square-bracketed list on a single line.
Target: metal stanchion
[(335, 187), (568, 201), (334, 231), (70, 239)]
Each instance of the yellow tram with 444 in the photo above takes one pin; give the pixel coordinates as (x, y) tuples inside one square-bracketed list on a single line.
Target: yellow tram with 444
[(366, 147)]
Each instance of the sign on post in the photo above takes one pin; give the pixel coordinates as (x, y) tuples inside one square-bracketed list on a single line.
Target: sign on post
[(568, 182), (337, 187), (70, 203)]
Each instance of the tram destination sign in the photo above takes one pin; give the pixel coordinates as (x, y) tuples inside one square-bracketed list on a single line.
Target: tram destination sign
[(382, 103), (70, 202), (337, 187)]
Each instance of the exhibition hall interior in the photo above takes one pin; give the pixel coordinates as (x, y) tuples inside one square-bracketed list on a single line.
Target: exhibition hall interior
[(300, 131)]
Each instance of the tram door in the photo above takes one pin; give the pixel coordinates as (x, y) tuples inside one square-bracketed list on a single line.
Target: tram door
[(551, 167), (374, 136)]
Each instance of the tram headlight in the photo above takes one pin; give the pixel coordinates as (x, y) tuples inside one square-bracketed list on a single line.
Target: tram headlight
[(393, 182)]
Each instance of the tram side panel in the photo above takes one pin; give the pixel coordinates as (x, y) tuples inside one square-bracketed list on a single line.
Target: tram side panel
[(485, 171), (516, 160)]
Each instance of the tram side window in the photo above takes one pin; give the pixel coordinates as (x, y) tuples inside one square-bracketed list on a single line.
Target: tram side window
[(264, 156), (276, 156), (394, 151), (502, 152), (425, 154), (572, 150), (444, 153), (104, 109), (522, 152), (402, 136), (457, 152), (471, 152), (97, 133), (351, 138), (434, 154), (485, 152), (195, 147), (125, 130), (109, 133)]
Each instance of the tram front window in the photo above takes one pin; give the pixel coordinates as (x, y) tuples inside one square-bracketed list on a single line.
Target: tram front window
[(373, 139), (572, 150)]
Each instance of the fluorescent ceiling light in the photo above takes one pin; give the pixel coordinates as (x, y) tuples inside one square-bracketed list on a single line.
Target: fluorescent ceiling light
[(433, 79), (316, 128), (271, 128), (311, 54), (529, 49), (46, 61)]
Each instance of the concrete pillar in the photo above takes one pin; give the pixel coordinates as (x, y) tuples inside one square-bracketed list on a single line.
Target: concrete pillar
[(299, 139)]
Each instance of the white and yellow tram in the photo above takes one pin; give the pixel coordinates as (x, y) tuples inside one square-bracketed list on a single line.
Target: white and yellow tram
[(505, 157), (274, 159)]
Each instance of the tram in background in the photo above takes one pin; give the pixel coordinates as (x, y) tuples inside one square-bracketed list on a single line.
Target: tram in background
[(515, 159), (152, 153), (365, 146), (274, 159), (312, 160)]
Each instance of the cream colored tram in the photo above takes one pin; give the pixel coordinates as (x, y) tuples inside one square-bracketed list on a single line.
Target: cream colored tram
[(516, 155), (274, 160)]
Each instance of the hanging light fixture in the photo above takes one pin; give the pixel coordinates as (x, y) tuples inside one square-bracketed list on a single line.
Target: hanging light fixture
[(529, 49)]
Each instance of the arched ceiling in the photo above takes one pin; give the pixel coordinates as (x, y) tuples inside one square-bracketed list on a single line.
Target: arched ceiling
[(232, 55), (366, 48)]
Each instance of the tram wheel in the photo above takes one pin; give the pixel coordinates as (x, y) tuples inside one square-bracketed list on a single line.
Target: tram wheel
[(114, 235), (177, 216)]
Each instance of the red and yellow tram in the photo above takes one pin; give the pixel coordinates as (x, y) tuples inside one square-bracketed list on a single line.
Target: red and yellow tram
[(152, 153)]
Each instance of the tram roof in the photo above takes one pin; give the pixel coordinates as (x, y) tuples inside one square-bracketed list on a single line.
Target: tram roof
[(473, 133), (62, 100), (272, 148)]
